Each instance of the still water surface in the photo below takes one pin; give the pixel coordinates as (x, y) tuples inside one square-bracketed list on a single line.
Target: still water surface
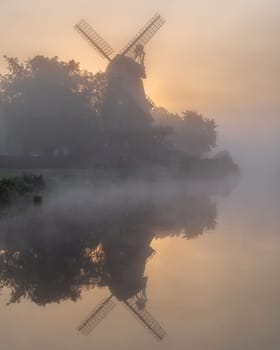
[(181, 268)]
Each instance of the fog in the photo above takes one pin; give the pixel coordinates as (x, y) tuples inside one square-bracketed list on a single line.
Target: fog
[(253, 141), (216, 261), (78, 207), (125, 182)]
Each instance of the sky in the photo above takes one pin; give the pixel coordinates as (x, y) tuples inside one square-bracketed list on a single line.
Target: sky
[(218, 57)]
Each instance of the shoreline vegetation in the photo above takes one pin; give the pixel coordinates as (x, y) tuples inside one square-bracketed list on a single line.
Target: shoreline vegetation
[(18, 191)]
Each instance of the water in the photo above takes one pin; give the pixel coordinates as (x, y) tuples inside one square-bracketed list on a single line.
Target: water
[(202, 261)]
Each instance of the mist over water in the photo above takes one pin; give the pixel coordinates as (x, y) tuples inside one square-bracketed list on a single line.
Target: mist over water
[(212, 276), (70, 205)]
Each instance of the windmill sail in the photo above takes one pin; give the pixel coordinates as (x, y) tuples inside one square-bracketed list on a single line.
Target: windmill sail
[(94, 39), (146, 319), (143, 36), (97, 315)]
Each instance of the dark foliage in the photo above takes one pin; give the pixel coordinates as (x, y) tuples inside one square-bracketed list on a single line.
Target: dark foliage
[(192, 133), (15, 188), (221, 164), (50, 107)]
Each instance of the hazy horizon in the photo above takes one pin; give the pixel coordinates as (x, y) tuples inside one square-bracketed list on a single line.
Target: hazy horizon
[(223, 53)]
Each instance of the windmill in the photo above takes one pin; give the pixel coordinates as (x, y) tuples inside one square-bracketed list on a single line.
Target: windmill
[(129, 287), (125, 70)]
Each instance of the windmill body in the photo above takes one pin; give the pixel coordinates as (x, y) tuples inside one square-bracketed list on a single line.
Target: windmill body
[(125, 270), (125, 101)]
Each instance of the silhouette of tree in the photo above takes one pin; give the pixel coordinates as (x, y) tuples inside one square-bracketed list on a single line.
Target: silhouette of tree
[(193, 134), (50, 106)]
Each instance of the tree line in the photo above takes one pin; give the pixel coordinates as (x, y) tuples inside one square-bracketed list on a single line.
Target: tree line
[(53, 108)]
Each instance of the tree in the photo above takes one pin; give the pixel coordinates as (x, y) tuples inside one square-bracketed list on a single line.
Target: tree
[(50, 106), (193, 134)]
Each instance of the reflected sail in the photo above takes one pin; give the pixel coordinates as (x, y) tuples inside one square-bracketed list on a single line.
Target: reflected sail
[(97, 315), (146, 319), (137, 309)]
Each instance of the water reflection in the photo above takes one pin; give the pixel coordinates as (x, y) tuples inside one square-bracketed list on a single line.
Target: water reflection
[(52, 254)]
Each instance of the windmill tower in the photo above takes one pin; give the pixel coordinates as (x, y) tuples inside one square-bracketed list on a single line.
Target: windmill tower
[(125, 98)]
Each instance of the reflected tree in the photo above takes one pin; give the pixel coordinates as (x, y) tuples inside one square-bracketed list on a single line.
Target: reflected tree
[(89, 250)]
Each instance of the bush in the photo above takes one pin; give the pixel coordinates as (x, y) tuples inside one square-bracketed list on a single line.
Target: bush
[(15, 188)]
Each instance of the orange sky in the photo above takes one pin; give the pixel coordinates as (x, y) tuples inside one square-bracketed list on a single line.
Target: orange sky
[(219, 57)]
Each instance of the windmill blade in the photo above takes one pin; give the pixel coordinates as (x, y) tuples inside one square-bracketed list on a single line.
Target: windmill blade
[(94, 39), (146, 319), (144, 35), (96, 316)]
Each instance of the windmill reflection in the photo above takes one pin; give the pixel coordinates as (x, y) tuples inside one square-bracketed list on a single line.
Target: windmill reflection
[(53, 256), (128, 285)]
